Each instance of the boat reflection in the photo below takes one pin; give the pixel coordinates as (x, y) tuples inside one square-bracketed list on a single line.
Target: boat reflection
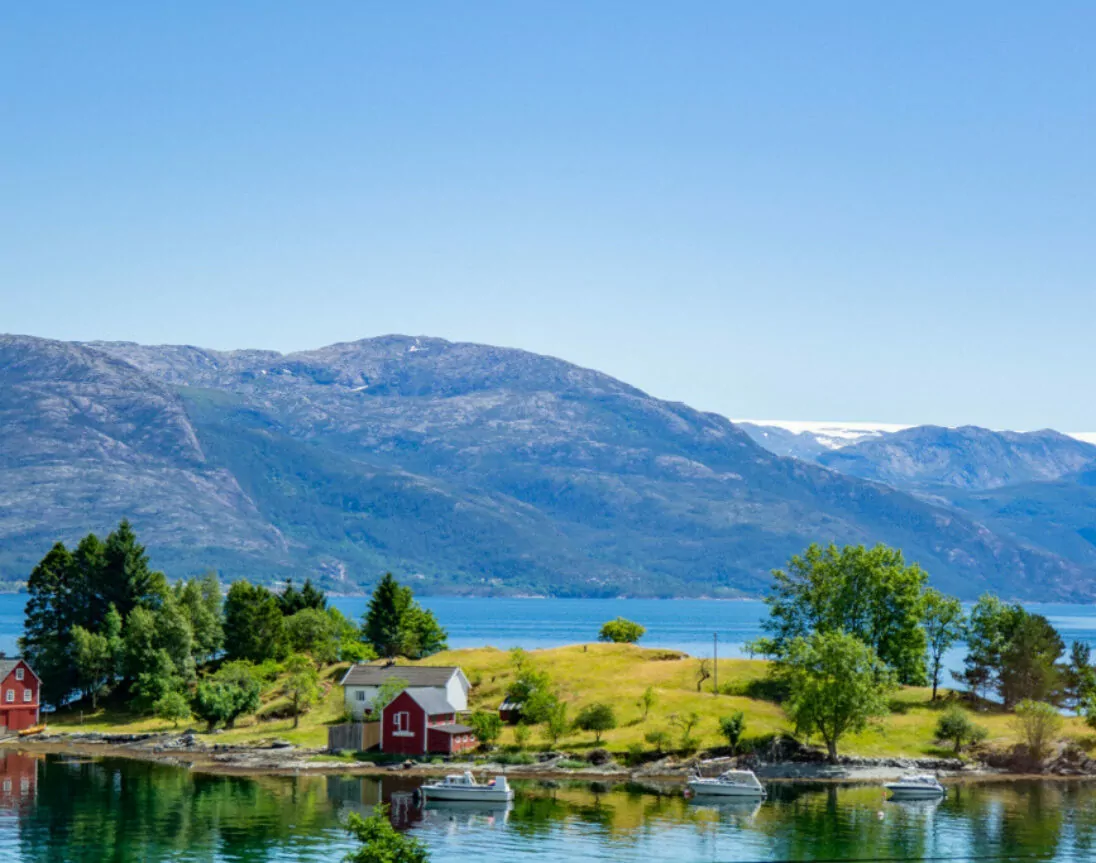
[(466, 813), (742, 811)]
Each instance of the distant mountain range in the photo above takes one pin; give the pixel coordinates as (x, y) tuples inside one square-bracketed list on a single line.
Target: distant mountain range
[(471, 468), (1038, 488)]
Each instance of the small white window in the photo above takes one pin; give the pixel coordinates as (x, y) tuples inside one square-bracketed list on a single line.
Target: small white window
[(7, 785), (26, 695), (360, 695), (403, 722), (19, 674), (9, 696)]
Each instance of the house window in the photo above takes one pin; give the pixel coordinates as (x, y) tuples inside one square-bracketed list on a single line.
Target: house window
[(9, 696), (360, 695), (26, 695), (403, 723), (19, 674)]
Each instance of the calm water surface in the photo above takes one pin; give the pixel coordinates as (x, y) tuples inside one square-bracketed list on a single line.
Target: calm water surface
[(78, 809)]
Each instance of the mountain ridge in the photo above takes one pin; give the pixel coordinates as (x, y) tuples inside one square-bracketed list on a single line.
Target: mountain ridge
[(473, 468)]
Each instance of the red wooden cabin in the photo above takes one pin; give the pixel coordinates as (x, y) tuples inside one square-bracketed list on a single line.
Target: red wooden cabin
[(421, 722), (18, 696)]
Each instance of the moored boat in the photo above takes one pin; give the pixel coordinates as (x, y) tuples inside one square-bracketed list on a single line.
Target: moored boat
[(923, 786), (731, 783), (463, 787)]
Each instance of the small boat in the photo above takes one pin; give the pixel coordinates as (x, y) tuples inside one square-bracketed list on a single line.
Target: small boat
[(923, 786), (732, 783), (462, 787)]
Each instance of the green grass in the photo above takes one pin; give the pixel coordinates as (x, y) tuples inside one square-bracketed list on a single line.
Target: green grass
[(616, 674)]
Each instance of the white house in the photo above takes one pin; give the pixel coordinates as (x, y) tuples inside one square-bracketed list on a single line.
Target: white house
[(361, 682)]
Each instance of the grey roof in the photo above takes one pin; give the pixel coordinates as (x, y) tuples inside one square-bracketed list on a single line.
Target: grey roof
[(7, 666), (432, 701), (415, 675), (452, 728)]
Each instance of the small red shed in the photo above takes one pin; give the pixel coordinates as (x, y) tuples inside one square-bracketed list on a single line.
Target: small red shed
[(18, 695), (422, 721)]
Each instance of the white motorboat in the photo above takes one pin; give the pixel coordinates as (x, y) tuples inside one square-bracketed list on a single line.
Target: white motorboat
[(732, 783), (463, 788), (923, 786)]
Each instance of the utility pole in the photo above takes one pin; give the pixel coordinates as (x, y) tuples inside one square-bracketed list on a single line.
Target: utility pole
[(715, 663)]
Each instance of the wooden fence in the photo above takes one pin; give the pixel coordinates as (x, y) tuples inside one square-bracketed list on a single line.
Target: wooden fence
[(353, 736)]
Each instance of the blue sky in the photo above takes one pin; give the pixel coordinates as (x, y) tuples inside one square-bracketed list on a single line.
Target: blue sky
[(849, 210)]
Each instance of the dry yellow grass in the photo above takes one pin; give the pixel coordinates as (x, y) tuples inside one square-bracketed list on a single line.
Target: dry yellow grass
[(616, 674)]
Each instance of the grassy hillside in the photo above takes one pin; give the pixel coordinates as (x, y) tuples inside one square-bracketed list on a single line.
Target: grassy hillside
[(617, 675)]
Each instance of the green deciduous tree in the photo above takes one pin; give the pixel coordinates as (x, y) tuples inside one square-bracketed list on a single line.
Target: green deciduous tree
[(870, 594), (395, 625), (1038, 725), (956, 727), (732, 728), (201, 602), (648, 700), (836, 685), (686, 723), (487, 727), (598, 718), (94, 662), (659, 739), (302, 683), (621, 631), (944, 625), (1079, 677), (254, 627), (556, 723), (232, 692), (173, 707), (531, 688), (381, 842), (313, 632)]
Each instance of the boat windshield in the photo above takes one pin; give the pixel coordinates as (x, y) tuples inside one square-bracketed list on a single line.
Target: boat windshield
[(921, 779), (740, 777), (460, 779)]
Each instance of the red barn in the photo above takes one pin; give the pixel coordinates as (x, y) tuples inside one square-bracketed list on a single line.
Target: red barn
[(421, 722), (18, 695)]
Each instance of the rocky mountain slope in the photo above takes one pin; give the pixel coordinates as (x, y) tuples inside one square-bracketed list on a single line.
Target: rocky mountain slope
[(465, 466)]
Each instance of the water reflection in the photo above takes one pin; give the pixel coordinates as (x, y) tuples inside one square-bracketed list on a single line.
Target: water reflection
[(79, 809)]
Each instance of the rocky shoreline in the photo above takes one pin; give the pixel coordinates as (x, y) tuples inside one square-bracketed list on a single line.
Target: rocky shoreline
[(279, 757)]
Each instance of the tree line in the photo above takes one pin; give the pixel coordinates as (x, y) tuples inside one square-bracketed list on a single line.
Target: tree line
[(101, 623), (848, 626)]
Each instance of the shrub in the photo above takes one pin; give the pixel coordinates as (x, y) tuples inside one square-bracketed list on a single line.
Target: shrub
[(596, 717), (521, 735), (172, 706), (621, 631), (571, 764), (659, 739), (1038, 724), (732, 728), (510, 758), (957, 728), (636, 755), (487, 727)]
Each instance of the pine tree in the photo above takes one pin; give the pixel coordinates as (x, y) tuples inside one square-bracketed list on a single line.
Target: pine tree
[(383, 621), (125, 579), (254, 627), (47, 630)]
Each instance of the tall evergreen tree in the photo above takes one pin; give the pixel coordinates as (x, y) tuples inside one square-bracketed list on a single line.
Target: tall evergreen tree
[(125, 579), (395, 625), (254, 627), (309, 596), (50, 615)]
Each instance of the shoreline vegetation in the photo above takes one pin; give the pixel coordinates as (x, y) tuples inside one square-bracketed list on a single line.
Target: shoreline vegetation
[(849, 682)]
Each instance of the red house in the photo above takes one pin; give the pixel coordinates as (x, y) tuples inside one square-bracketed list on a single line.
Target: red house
[(422, 721), (18, 695)]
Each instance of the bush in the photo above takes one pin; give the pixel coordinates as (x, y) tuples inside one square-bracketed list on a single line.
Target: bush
[(571, 764), (957, 728), (521, 735), (172, 706), (621, 631), (636, 755), (596, 717), (659, 739), (487, 727), (732, 728), (1038, 725), (511, 758)]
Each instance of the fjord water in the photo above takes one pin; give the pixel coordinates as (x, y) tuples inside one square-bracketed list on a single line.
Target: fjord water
[(79, 810)]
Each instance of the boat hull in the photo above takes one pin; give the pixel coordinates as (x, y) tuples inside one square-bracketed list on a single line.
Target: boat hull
[(714, 789), (467, 795)]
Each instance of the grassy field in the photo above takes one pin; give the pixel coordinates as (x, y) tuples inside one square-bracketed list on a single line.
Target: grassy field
[(617, 675)]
